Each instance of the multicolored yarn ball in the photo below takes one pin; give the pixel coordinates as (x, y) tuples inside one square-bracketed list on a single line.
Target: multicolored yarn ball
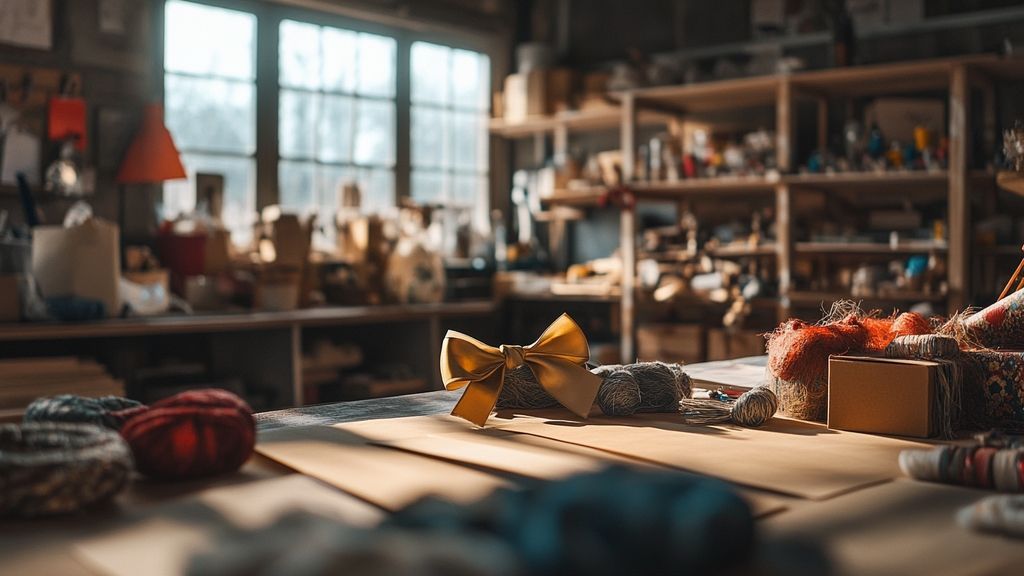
[(984, 466), (194, 434), (755, 407), (107, 411), (57, 468)]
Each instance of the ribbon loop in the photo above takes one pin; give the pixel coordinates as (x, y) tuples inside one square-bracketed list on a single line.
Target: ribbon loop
[(557, 359)]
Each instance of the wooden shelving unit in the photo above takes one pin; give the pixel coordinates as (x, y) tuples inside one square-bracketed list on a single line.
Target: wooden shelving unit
[(956, 77)]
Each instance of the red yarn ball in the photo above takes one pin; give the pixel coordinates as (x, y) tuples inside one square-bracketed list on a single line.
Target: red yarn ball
[(194, 434)]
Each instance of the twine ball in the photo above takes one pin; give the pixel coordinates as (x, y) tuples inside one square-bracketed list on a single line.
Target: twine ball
[(521, 390), (755, 407), (108, 411), (57, 468), (619, 394), (194, 434)]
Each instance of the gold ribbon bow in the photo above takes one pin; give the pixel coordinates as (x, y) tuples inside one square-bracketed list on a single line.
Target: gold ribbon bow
[(557, 359)]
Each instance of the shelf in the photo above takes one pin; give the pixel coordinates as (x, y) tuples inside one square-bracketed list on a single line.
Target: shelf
[(581, 197), (818, 298), (753, 92), (697, 186), (911, 247), (573, 121), (931, 180), (999, 251), (205, 323)]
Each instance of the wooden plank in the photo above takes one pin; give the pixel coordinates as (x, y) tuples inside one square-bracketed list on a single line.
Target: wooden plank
[(958, 214), (627, 235)]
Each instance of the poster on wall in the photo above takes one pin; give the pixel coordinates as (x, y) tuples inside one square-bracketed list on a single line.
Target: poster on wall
[(26, 23)]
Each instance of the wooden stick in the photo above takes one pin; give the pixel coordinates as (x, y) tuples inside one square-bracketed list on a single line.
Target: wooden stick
[(1014, 279)]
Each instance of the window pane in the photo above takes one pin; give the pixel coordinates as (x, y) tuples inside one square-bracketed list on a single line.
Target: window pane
[(339, 60), (471, 80), (429, 144), (206, 40), (468, 190), (428, 186), (378, 188), (297, 185), (376, 65), (335, 127), (211, 115), (298, 124), (375, 133), (430, 73), (299, 55), (239, 191), (467, 141)]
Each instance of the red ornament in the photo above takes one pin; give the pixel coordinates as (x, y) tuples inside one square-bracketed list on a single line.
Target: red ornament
[(194, 434)]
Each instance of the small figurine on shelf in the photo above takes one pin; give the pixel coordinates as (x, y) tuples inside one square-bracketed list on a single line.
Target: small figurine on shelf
[(895, 155), (876, 142)]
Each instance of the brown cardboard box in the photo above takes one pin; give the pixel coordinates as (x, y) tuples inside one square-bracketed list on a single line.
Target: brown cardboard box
[(537, 93), (10, 304), (882, 395), (726, 345), (670, 342)]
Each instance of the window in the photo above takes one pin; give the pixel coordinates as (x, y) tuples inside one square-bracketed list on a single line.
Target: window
[(450, 101), (337, 91), (336, 118), (210, 106)]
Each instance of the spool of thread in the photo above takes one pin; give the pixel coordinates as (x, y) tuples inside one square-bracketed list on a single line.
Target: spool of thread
[(108, 411), (57, 468), (926, 346), (752, 409), (194, 434)]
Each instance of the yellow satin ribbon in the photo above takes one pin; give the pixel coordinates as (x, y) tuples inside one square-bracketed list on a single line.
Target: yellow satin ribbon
[(557, 359)]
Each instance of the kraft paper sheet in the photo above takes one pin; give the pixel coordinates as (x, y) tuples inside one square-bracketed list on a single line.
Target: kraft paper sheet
[(785, 456), (899, 528), (386, 477), (161, 541), (520, 454)]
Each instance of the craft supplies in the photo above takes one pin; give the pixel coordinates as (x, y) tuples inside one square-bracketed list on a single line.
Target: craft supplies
[(993, 462), (898, 396), (798, 353), (56, 468), (1001, 325), (995, 514), (108, 411), (752, 409), (193, 434), (624, 390), (557, 360), (994, 392)]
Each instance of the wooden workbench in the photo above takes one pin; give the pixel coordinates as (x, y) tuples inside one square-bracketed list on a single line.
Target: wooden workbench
[(897, 527)]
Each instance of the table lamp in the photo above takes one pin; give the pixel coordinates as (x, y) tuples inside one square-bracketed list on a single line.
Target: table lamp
[(152, 157)]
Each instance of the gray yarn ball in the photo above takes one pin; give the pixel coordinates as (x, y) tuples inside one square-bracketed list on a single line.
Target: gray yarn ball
[(521, 390), (619, 394), (755, 407)]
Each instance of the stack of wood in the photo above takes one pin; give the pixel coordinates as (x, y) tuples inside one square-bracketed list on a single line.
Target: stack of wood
[(22, 380)]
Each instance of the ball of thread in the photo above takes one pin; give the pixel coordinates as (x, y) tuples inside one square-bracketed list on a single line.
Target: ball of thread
[(521, 390), (107, 411), (755, 407), (619, 394), (928, 346), (194, 434), (57, 468), (659, 391)]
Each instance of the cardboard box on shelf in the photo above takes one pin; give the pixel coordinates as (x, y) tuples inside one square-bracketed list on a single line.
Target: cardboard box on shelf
[(882, 395), (82, 261), (727, 345), (670, 342), (537, 93)]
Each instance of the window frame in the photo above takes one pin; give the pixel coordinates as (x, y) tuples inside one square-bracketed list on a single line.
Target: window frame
[(269, 16)]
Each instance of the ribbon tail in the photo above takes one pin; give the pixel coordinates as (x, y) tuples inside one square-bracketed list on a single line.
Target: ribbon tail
[(479, 399)]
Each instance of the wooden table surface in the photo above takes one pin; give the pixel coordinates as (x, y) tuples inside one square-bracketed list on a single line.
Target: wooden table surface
[(898, 527)]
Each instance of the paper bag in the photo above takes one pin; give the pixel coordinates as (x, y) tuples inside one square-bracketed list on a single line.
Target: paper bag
[(83, 261)]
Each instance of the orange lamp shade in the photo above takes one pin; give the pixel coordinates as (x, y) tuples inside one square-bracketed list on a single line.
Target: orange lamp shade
[(152, 155)]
